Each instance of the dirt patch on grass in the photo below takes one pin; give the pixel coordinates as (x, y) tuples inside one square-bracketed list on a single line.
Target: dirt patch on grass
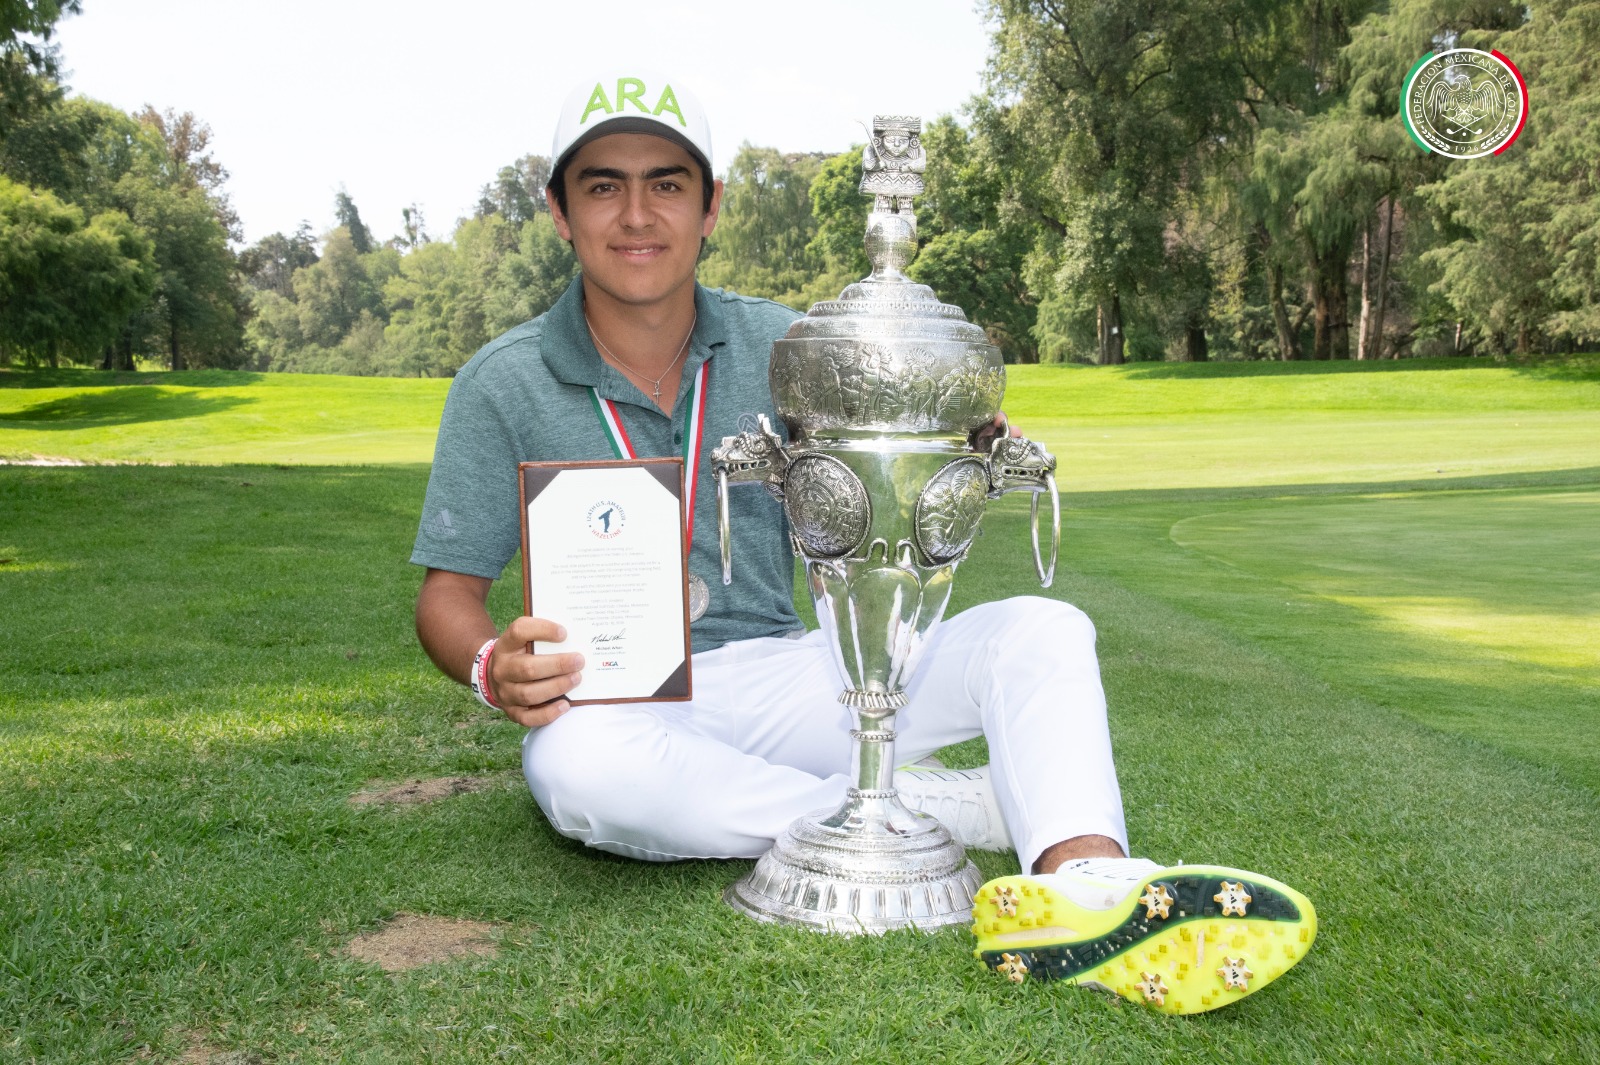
[(418, 791), (200, 1052), (204, 1055), (412, 940)]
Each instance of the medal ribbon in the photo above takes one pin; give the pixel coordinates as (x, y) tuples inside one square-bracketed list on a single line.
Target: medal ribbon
[(694, 428)]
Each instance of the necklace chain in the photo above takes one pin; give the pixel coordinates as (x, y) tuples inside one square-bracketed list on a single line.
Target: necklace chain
[(656, 384)]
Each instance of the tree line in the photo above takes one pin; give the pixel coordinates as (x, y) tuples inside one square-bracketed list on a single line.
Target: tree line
[(1140, 179)]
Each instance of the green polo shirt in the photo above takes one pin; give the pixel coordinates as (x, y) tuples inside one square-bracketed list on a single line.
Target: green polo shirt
[(525, 398)]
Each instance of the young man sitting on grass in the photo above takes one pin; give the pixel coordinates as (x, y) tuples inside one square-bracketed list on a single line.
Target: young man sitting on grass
[(763, 741)]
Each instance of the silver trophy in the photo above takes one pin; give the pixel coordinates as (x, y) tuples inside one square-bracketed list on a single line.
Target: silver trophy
[(887, 395)]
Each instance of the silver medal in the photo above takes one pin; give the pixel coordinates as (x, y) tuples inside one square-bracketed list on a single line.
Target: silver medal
[(699, 597)]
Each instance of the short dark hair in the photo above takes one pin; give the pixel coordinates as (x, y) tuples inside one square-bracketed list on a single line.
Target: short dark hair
[(558, 185)]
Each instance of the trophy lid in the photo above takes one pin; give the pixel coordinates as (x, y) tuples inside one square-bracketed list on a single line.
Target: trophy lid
[(887, 356)]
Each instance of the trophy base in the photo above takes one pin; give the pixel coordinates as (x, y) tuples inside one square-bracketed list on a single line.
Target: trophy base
[(870, 867)]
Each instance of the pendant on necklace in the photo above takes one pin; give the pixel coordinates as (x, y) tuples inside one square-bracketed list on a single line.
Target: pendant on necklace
[(699, 597)]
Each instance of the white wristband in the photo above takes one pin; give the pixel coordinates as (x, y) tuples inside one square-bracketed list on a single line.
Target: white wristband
[(480, 675)]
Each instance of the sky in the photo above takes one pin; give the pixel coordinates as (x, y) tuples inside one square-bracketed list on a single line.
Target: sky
[(403, 102)]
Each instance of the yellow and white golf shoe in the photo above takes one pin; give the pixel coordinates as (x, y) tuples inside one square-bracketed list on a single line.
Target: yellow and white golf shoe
[(1182, 939)]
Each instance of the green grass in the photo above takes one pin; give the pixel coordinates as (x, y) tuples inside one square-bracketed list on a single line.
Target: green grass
[(1178, 425), (216, 417), (1378, 688), (1114, 429), (1491, 596)]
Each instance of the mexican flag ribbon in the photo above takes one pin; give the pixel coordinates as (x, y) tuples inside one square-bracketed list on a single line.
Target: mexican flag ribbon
[(693, 438)]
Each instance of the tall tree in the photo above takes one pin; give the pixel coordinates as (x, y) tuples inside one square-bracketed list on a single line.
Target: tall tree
[(1331, 207), (839, 211), (67, 285), (529, 280), (480, 246), (1287, 67), (1524, 264), (1096, 109), (1561, 46), (28, 61), (1313, 186), (173, 190), (414, 232), (270, 262), (197, 315), (971, 254), (348, 217), (423, 301), (76, 149), (159, 171), (187, 161), (1332, 170), (760, 246), (333, 292), (273, 335), (517, 192)]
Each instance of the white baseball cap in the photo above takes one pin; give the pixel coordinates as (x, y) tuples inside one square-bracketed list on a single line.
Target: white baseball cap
[(631, 101)]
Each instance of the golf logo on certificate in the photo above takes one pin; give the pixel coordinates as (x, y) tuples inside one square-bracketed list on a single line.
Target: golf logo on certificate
[(603, 555), (606, 519)]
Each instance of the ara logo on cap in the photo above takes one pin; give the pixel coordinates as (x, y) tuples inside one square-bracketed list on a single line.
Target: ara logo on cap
[(631, 101), (632, 91)]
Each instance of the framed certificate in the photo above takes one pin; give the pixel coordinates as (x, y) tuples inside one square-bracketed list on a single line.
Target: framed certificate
[(603, 555)]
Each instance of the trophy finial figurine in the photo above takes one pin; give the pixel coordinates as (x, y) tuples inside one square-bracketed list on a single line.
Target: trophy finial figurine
[(887, 394), (893, 162)]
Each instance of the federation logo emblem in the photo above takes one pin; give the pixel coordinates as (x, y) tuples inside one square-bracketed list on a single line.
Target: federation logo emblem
[(1464, 103), (605, 519)]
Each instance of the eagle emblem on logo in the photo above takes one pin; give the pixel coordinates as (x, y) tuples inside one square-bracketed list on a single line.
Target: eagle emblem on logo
[(1457, 98)]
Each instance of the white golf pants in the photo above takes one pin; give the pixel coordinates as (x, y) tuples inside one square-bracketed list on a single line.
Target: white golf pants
[(764, 740)]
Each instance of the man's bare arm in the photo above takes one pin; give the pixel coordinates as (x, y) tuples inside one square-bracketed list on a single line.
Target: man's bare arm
[(453, 622)]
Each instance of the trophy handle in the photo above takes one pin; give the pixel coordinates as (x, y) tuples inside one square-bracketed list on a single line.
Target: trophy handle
[(1047, 575), (1017, 464), (753, 455), (724, 531)]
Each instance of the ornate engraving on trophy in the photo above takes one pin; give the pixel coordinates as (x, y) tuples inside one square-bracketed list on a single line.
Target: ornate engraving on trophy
[(950, 508), (851, 385), (827, 506), (1017, 463), (976, 386)]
